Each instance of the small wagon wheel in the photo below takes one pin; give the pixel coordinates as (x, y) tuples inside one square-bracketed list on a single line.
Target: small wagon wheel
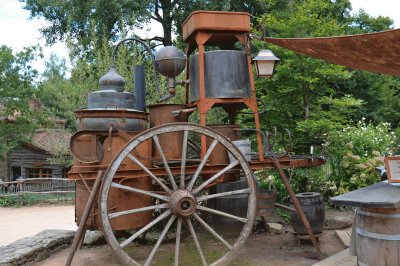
[(181, 197)]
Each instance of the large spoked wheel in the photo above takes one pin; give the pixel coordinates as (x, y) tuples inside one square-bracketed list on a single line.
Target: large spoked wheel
[(179, 197)]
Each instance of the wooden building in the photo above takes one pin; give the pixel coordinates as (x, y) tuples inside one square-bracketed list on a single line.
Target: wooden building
[(38, 158)]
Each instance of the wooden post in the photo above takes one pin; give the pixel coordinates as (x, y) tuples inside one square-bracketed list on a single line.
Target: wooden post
[(297, 205), (81, 229)]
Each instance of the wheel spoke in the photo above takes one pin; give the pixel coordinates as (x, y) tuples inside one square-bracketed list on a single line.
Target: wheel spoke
[(196, 241), (144, 229), (215, 177), (164, 160), (178, 241), (144, 192), (227, 215), (150, 173), (183, 163), (160, 239), (212, 231), (228, 193), (203, 162), (118, 214)]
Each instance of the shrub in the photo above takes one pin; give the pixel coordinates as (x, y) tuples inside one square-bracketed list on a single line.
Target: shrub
[(355, 151)]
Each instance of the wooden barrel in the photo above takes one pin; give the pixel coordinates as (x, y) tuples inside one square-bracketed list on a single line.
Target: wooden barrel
[(233, 204), (378, 236), (266, 199), (313, 206)]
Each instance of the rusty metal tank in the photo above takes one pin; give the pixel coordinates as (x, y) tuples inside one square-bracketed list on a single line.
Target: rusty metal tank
[(103, 119), (121, 200), (226, 75), (171, 143), (219, 154)]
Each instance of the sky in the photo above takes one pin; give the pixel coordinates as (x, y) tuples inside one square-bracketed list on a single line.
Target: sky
[(18, 31)]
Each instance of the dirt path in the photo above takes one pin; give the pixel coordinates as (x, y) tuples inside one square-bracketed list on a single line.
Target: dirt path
[(17, 223), (261, 249)]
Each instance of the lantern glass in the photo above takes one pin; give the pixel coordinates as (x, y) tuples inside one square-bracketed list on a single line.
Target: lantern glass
[(265, 68), (265, 63)]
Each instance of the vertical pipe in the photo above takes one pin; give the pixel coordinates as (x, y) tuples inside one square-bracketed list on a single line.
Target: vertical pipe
[(140, 87)]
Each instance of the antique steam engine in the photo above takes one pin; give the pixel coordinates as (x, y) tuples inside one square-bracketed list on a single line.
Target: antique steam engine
[(160, 169)]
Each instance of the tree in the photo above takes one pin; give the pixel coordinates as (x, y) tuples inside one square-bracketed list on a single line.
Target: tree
[(17, 122), (76, 20)]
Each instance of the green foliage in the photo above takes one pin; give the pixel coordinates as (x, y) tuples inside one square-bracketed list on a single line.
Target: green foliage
[(34, 199), (355, 151), (17, 79), (301, 180)]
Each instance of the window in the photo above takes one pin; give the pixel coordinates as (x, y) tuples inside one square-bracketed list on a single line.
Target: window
[(39, 172), (16, 172)]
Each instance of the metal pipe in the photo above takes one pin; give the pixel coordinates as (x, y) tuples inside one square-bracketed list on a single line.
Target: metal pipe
[(140, 87)]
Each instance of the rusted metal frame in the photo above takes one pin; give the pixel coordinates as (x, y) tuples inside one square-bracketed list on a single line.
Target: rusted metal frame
[(81, 229), (113, 113), (297, 205), (84, 182), (207, 169)]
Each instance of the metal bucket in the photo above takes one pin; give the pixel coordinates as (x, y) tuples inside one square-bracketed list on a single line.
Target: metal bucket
[(226, 75), (171, 143)]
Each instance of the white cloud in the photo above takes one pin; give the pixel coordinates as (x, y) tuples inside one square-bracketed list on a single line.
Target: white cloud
[(387, 8)]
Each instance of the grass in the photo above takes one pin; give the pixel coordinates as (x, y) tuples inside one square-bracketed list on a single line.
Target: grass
[(35, 199)]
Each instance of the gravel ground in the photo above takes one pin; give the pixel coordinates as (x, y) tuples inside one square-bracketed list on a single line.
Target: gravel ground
[(17, 223)]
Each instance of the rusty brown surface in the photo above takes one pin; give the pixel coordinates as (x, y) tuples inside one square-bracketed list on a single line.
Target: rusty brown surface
[(374, 52), (171, 143), (215, 21), (286, 162)]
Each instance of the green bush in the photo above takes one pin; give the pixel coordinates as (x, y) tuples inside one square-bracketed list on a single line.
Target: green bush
[(354, 152)]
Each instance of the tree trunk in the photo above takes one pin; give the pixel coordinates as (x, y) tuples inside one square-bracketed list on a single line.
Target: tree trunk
[(167, 7), (306, 101)]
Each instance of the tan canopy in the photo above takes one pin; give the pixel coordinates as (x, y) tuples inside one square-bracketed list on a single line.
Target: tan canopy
[(376, 52)]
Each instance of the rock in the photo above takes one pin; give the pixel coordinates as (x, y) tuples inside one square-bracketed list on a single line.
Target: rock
[(275, 228), (94, 238), (35, 248), (337, 222)]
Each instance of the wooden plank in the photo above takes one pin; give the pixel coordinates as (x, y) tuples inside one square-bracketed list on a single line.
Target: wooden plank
[(343, 258), (344, 237)]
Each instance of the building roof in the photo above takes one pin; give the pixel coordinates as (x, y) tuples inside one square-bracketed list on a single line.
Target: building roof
[(52, 141), (374, 52)]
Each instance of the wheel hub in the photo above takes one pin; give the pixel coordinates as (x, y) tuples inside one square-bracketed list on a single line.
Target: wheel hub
[(182, 203)]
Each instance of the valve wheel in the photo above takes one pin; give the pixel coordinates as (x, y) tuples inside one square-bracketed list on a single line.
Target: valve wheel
[(182, 198)]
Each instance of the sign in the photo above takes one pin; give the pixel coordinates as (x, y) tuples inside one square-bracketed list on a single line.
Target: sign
[(392, 164)]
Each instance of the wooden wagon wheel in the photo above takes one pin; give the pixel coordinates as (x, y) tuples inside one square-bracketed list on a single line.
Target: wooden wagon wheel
[(180, 200)]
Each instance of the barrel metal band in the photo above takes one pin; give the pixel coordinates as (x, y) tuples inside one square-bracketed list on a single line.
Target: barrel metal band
[(380, 215), (377, 235)]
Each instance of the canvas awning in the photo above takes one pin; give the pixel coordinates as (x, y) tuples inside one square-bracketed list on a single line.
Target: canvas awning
[(376, 52)]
